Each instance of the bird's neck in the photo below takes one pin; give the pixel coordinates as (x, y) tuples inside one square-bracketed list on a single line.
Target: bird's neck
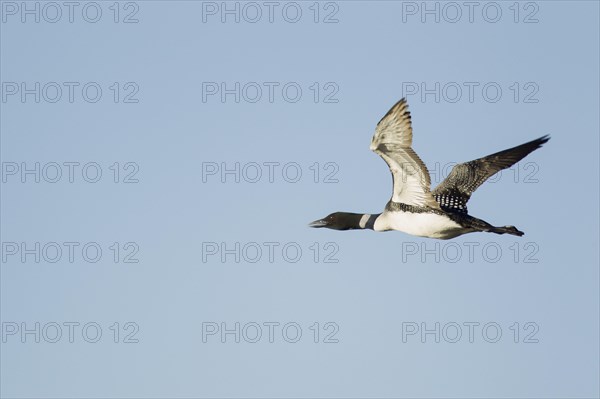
[(361, 220)]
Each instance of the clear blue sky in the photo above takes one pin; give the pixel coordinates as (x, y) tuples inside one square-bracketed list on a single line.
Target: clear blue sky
[(309, 95)]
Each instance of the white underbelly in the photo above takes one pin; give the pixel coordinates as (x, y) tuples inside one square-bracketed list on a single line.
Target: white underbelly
[(429, 225)]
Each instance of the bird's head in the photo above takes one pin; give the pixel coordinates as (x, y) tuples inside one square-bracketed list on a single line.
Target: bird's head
[(339, 221)]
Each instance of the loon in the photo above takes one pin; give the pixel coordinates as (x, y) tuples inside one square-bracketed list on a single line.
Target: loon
[(414, 208)]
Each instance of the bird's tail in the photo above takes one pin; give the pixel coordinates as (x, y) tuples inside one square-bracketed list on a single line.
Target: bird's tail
[(507, 230)]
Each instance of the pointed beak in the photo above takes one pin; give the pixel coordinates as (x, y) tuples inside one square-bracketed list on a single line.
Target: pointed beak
[(318, 223)]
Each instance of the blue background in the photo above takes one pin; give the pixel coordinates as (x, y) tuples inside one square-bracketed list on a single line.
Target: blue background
[(377, 285)]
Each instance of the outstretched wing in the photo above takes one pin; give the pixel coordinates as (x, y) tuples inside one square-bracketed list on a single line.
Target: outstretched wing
[(393, 141), (454, 192)]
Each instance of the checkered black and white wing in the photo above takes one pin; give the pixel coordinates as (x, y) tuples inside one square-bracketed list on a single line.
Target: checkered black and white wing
[(455, 191)]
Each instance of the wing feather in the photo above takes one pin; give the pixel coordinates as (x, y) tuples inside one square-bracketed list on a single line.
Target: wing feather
[(455, 191), (393, 142)]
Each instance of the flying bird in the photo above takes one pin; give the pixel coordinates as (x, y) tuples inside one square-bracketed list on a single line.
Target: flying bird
[(414, 208)]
